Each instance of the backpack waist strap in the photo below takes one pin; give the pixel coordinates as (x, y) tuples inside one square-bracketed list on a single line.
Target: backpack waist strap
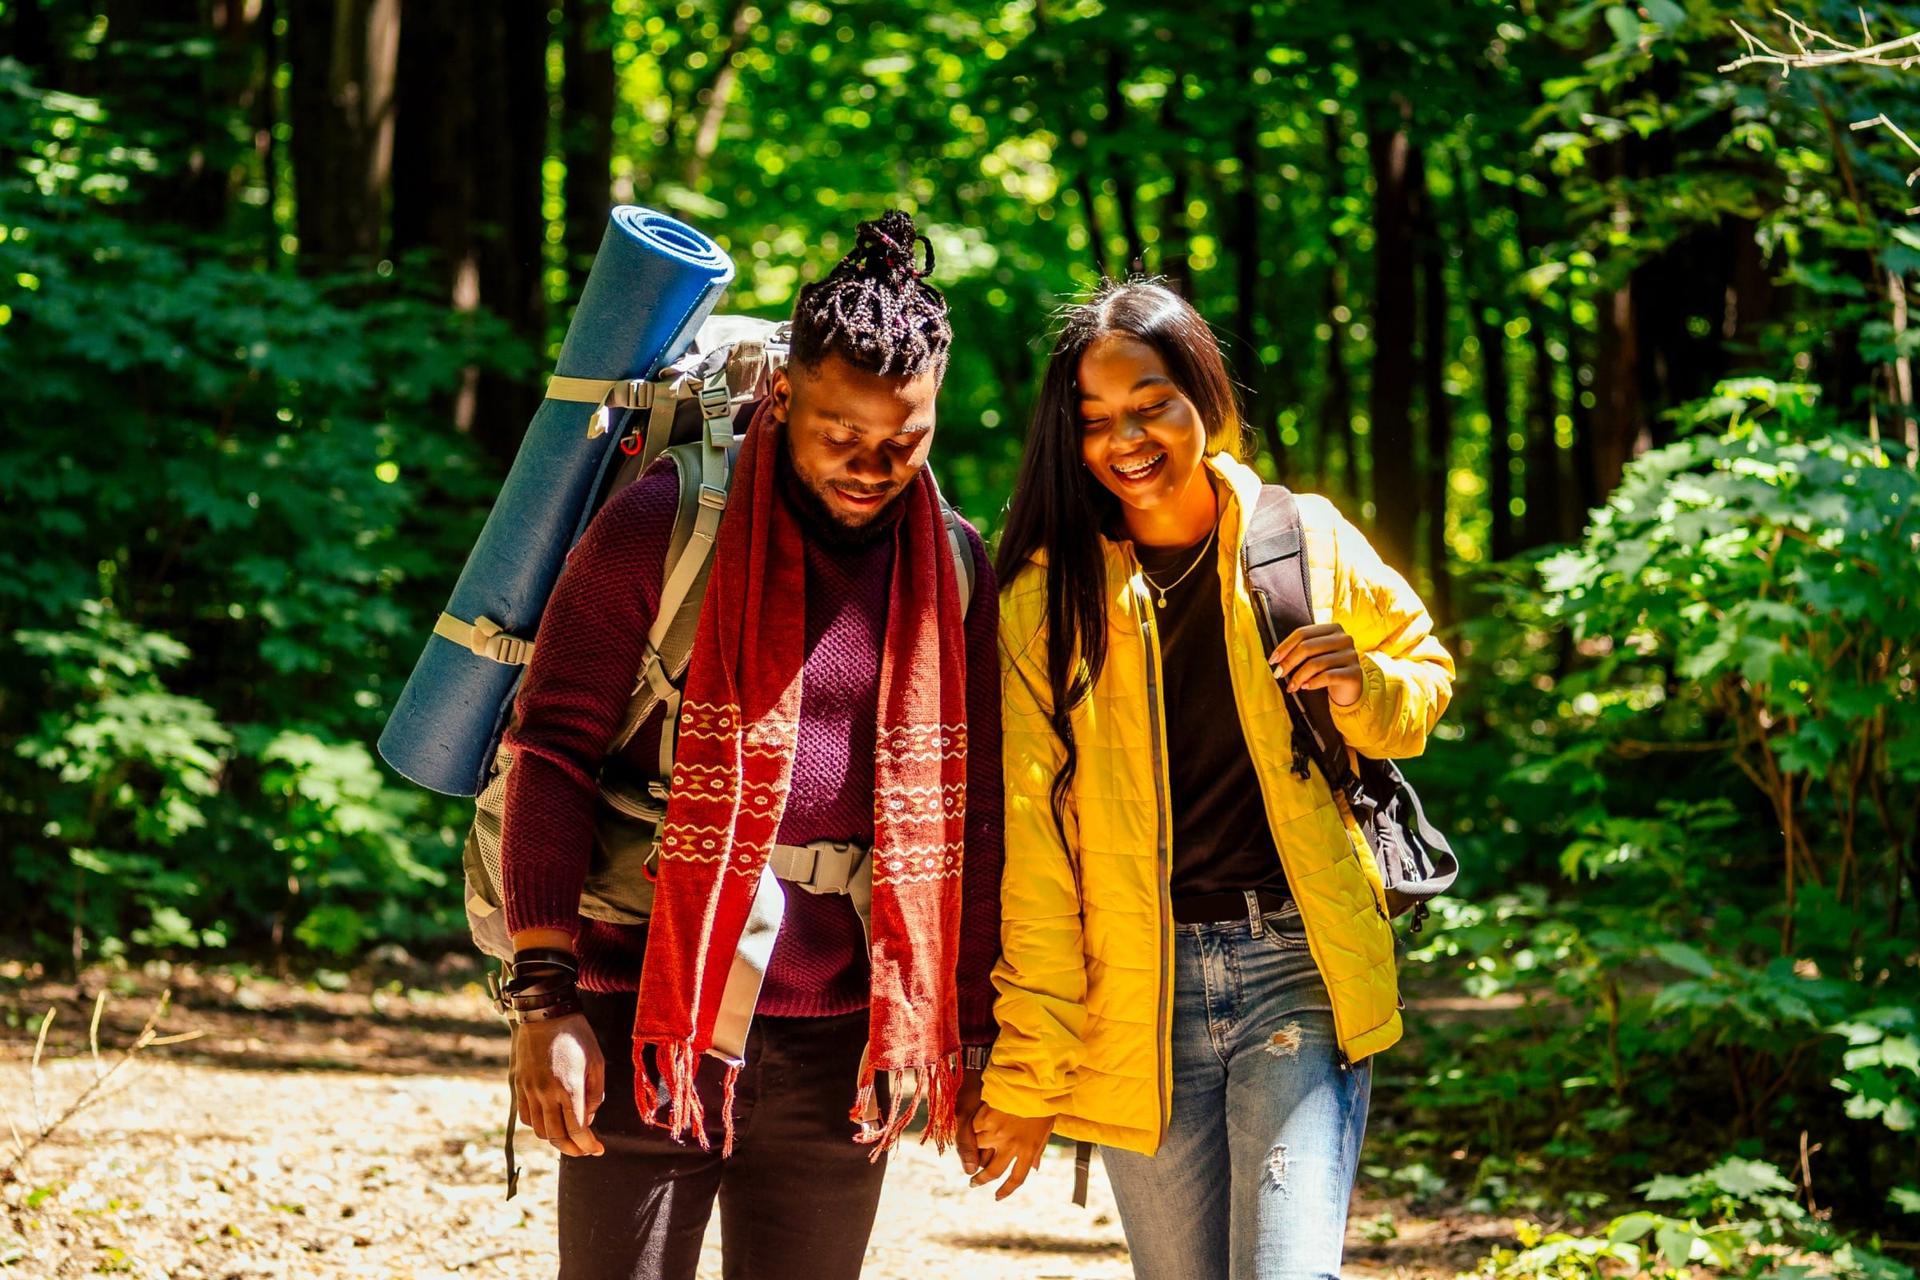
[(825, 866)]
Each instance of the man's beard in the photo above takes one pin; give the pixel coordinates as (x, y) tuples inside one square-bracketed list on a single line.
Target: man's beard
[(822, 523)]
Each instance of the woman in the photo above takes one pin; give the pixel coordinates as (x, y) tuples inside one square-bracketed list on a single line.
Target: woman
[(1197, 963)]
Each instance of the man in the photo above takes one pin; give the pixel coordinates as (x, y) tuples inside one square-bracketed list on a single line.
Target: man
[(835, 693)]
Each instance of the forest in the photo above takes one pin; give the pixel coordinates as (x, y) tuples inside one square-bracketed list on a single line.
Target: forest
[(1594, 314)]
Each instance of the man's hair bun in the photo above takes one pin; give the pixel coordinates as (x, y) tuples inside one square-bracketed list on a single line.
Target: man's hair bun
[(875, 309)]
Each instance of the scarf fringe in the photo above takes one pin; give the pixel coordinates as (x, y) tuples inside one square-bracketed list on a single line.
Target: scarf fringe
[(686, 1117), (727, 1093), (933, 1083)]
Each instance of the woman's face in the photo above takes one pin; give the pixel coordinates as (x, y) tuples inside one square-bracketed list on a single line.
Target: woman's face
[(1139, 434)]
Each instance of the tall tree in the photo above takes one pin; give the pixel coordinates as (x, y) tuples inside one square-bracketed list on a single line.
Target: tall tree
[(1336, 402), (1251, 245), (1484, 299), (1113, 128), (717, 95), (586, 133), (473, 84), (1617, 419), (1390, 393), (1437, 457), (344, 60)]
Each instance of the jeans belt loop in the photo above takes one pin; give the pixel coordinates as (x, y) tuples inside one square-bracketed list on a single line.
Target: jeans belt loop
[(1256, 922)]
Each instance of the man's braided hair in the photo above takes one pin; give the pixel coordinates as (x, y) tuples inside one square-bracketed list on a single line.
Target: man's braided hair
[(875, 310)]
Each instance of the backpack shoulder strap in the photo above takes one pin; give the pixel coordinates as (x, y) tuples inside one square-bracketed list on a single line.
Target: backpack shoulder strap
[(962, 548), (705, 473), (1274, 558)]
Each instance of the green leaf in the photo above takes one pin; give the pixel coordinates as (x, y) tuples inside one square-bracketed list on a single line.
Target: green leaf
[(1682, 956), (1676, 1241)]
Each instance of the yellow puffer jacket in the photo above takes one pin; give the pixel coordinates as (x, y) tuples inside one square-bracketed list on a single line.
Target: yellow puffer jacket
[(1085, 978)]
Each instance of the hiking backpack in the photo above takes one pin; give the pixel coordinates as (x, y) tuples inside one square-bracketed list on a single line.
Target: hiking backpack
[(687, 412), (1416, 862)]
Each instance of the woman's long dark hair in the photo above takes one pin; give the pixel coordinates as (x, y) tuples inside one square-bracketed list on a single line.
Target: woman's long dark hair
[(1059, 508)]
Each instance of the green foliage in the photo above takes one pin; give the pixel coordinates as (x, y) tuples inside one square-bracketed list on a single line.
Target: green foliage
[(1721, 724), (230, 496), (1739, 1218)]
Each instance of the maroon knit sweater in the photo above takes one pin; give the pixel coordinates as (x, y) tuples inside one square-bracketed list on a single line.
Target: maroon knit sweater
[(576, 690)]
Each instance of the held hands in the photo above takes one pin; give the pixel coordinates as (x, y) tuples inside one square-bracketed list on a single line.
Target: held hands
[(1320, 657), (964, 1109), (559, 1082), (1010, 1145)]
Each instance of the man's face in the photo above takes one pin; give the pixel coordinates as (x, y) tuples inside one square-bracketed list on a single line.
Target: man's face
[(856, 439)]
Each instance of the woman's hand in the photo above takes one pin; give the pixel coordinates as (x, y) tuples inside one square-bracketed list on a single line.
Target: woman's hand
[(559, 1082), (1321, 657), (1009, 1144)]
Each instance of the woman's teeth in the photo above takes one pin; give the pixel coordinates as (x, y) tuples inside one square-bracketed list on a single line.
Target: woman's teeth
[(1139, 470)]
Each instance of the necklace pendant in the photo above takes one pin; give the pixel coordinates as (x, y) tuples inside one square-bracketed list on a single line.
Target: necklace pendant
[(1163, 600)]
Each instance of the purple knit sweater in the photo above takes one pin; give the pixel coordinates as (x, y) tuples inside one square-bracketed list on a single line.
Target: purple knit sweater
[(576, 690)]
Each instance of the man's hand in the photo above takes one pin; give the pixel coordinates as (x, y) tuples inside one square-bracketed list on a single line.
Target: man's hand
[(559, 1082), (1320, 657), (1012, 1145), (964, 1109)]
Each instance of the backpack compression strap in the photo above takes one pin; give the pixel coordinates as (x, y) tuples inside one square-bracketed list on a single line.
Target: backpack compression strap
[(1275, 561)]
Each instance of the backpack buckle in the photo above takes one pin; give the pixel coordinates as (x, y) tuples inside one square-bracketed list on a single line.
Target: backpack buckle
[(716, 406)]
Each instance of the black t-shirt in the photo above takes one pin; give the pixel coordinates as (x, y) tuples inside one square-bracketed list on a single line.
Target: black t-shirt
[(1221, 840)]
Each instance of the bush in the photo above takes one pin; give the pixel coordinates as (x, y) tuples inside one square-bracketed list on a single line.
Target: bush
[(1703, 742)]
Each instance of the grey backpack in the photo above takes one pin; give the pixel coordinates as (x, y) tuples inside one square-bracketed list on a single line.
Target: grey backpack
[(688, 413)]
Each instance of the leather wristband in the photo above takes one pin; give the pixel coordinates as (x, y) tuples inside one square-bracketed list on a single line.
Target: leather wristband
[(531, 984), (541, 999), (558, 957), (560, 1009)]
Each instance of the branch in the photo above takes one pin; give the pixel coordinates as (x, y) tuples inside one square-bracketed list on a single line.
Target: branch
[(147, 1038), (1838, 52), (1897, 132)]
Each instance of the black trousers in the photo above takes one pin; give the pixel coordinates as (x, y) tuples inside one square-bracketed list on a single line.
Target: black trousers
[(797, 1197)]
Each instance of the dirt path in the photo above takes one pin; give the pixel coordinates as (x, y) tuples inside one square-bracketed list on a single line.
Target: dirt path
[(321, 1135)]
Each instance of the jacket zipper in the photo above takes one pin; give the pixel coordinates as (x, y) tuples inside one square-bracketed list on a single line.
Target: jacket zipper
[(1163, 824)]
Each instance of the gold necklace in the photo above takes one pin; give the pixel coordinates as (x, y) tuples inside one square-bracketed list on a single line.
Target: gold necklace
[(1162, 602)]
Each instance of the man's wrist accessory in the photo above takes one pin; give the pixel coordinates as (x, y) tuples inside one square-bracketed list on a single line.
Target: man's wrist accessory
[(541, 987)]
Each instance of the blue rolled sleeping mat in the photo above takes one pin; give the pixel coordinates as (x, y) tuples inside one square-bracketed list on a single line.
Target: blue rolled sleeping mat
[(653, 282)]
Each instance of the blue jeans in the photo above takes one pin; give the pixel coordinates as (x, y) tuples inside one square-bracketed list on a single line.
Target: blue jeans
[(1252, 1179)]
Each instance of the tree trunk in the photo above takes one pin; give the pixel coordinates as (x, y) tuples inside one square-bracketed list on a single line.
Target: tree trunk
[(266, 119), (1114, 129), (1336, 408), (1545, 487), (435, 139), (1433, 381), (1617, 413), (474, 85), (719, 94), (344, 60), (1484, 290), (1096, 232), (1176, 236), (1244, 232), (586, 116), (171, 66), (1395, 492), (510, 227), (1579, 490)]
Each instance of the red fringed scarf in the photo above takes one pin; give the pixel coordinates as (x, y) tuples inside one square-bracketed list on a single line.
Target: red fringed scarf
[(733, 769)]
